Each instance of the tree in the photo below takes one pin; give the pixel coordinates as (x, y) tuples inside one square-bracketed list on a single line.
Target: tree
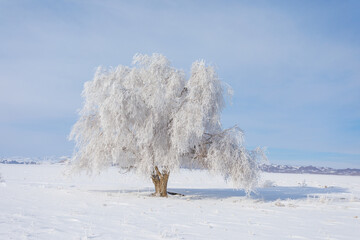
[(150, 119)]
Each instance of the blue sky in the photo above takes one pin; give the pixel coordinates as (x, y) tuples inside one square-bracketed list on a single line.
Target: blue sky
[(294, 67)]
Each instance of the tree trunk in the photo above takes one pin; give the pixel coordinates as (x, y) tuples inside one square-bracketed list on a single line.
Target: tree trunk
[(160, 181)]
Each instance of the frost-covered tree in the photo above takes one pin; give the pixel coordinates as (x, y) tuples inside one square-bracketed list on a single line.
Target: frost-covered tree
[(150, 119)]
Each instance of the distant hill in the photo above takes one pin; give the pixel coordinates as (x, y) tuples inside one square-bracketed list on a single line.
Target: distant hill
[(272, 168), (25, 160)]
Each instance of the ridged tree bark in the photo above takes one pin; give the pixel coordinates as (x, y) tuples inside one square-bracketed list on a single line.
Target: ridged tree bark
[(160, 181)]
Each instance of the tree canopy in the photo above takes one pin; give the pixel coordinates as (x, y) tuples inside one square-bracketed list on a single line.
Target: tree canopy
[(153, 120)]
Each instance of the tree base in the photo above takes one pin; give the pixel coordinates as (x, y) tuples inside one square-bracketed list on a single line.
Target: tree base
[(174, 193)]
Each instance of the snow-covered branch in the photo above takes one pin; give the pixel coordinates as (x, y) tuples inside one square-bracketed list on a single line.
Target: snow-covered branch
[(149, 116)]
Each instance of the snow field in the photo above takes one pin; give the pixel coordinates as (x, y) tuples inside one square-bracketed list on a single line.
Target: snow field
[(40, 202)]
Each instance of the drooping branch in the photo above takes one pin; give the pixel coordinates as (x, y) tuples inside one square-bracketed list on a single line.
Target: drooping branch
[(150, 117), (201, 150)]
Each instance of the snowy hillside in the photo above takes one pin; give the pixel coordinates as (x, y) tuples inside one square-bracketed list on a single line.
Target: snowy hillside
[(28, 160), (274, 168), (270, 168), (40, 202)]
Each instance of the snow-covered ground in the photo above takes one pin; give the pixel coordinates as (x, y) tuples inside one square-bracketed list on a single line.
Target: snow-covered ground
[(40, 202)]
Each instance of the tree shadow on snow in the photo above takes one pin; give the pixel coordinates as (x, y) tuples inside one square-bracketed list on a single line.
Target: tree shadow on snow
[(264, 194)]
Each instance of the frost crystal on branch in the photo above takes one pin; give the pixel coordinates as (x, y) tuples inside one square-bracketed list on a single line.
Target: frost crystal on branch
[(150, 118)]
